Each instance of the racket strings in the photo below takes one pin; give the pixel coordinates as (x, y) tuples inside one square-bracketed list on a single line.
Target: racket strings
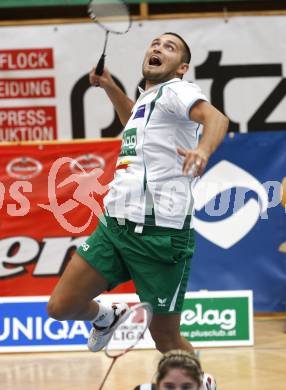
[(106, 14), (130, 331)]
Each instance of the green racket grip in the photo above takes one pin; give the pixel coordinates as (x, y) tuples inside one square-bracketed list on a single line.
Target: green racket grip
[(100, 65)]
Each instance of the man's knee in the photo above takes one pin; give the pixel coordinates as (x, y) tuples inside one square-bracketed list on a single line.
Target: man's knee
[(59, 308)]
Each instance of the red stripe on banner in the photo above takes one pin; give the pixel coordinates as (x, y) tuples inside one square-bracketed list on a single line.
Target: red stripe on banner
[(25, 59), (19, 88)]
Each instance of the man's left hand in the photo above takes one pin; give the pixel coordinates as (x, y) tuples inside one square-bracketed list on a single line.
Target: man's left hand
[(195, 161)]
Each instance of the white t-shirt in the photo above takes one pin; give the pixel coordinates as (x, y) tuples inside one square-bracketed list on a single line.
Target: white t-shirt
[(148, 186)]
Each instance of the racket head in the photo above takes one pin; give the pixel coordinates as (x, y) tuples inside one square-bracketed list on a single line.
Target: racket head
[(112, 15), (129, 330)]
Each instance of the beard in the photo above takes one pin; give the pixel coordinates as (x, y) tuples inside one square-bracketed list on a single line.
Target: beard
[(155, 76)]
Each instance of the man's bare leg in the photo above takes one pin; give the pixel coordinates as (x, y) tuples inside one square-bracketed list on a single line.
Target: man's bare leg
[(165, 330), (73, 296)]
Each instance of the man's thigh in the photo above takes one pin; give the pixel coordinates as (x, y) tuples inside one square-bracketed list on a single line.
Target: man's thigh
[(80, 282)]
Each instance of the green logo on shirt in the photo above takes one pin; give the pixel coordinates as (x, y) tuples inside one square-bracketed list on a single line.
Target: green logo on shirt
[(129, 142)]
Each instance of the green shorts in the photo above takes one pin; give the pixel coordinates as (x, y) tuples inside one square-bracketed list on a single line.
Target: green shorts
[(157, 260)]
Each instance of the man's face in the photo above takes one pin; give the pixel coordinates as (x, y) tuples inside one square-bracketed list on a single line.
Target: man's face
[(163, 59)]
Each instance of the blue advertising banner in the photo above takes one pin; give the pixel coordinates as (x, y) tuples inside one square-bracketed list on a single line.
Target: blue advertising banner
[(25, 325), (240, 220)]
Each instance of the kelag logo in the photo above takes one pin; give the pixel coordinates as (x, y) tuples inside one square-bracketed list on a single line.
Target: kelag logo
[(226, 319), (129, 142), (221, 318)]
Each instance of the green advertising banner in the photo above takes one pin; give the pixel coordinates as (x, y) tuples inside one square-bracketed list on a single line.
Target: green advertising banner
[(218, 318)]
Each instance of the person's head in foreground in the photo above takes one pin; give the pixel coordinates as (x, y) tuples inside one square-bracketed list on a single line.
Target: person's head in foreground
[(167, 57), (179, 370)]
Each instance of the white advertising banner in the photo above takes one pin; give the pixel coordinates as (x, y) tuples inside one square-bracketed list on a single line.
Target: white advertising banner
[(209, 319), (45, 94)]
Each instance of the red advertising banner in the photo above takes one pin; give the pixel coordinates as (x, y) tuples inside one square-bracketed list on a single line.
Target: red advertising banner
[(37, 123), (50, 195), (23, 88), (26, 59)]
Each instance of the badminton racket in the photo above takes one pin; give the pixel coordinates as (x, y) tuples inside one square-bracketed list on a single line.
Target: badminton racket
[(127, 333), (114, 17)]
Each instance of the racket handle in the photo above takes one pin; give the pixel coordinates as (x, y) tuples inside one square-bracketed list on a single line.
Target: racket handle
[(100, 65)]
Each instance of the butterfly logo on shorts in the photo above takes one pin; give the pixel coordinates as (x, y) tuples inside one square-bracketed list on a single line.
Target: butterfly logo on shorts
[(162, 301)]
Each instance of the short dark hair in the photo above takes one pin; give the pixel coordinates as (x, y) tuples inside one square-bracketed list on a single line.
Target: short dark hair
[(187, 52)]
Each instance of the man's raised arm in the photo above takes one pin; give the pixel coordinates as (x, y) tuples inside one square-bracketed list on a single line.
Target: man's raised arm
[(215, 125), (121, 102)]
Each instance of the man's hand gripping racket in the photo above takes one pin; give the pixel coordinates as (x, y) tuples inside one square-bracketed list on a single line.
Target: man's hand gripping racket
[(114, 17)]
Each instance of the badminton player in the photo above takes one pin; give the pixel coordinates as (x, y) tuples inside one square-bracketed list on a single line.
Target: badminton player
[(148, 237)]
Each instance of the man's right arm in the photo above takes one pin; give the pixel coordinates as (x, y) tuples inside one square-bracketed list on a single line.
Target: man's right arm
[(121, 102)]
